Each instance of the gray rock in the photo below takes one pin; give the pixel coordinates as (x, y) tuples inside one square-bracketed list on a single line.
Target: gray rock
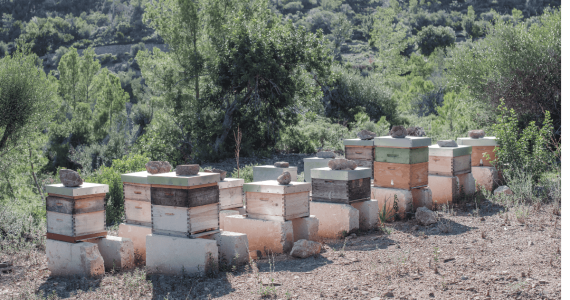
[(425, 216), (398, 132), (477, 134), (366, 135), (325, 154), (156, 167), (70, 178), (503, 190), (447, 143), (284, 178), (416, 131), (186, 170), (221, 172), (341, 164), (281, 164), (305, 248)]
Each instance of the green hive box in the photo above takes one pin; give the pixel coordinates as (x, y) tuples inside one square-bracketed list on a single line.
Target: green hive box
[(402, 156)]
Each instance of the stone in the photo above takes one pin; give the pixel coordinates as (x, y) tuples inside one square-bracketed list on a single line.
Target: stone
[(70, 178), (169, 255), (221, 172), (342, 164), (398, 132), (477, 134), (137, 234), (233, 248), (422, 197), (156, 167), (366, 135), (74, 259), (367, 214), (447, 143), (281, 164), (415, 131), (325, 154), (306, 228), (224, 213), (188, 170), (284, 178), (425, 216), (264, 235), (385, 198), (486, 177), (335, 219), (503, 190), (118, 252), (304, 249)]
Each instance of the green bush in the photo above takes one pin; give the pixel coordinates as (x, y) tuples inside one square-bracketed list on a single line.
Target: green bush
[(245, 173), (312, 133), (432, 37)]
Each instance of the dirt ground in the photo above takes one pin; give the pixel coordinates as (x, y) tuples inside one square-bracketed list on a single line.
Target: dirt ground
[(468, 254)]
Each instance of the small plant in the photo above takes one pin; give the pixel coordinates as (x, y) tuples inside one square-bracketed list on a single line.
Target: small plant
[(386, 215), (341, 254), (435, 254), (237, 139)]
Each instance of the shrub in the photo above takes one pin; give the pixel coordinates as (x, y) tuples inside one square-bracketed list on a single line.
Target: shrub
[(245, 173), (312, 133), (292, 7), (432, 37)]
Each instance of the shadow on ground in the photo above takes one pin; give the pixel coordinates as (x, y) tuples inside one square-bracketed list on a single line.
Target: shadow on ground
[(65, 287), (177, 287)]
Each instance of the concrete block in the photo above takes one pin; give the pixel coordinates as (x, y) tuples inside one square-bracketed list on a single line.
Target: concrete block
[(85, 189), (224, 214), (407, 142), (137, 234), (488, 177), (467, 182), (335, 219), (233, 248), (422, 197), (313, 163), (183, 180), (305, 228), (444, 189), (273, 187), (137, 177), (118, 252), (240, 210), (358, 142), (171, 255), (486, 141), (327, 173), (386, 196), (367, 214), (263, 173), (264, 235), (74, 259)]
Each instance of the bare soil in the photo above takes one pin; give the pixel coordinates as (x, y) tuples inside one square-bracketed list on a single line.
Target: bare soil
[(468, 254)]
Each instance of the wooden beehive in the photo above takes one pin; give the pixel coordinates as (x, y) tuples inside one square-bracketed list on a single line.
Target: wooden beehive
[(360, 151), (231, 193), (341, 186), (185, 221), (268, 200), (400, 176), (402, 155), (480, 147), (136, 190), (449, 161), (76, 213)]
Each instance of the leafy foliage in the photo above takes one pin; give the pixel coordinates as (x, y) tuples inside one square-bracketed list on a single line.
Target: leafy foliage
[(432, 37)]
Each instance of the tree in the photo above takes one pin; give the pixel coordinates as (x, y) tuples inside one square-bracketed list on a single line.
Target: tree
[(27, 98), (111, 100), (432, 37)]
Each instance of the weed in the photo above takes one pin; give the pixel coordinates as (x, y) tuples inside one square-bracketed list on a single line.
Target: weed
[(435, 254)]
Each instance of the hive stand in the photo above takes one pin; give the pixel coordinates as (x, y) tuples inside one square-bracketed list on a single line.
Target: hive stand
[(76, 213), (483, 171), (360, 151), (313, 163), (445, 165), (262, 173), (74, 259)]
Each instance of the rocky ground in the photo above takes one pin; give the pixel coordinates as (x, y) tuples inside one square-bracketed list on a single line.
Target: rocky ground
[(470, 253)]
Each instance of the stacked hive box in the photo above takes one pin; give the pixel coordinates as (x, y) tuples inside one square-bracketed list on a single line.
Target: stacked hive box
[(361, 152), (341, 201), (313, 163), (231, 198), (401, 170), (262, 173), (449, 172), (485, 174), (138, 218), (274, 212)]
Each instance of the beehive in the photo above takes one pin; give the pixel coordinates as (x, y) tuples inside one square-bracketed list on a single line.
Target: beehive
[(184, 205), (480, 147), (76, 213), (136, 190), (313, 163), (341, 186), (449, 161), (268, 172), (231, 193), (268, 200), (360, 151)]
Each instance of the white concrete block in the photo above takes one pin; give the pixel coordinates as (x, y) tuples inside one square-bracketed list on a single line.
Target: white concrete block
[(367, 214), (224, 214), (335, 219), (263, 173), (305, 228), (422, 197), (467, 182), (488, 177), (387, 195), (170, 255), (233, 247), (137, 234), (118, 252), (313, 163), (68, 259), (445, 189), (85, 189), (264, 235)]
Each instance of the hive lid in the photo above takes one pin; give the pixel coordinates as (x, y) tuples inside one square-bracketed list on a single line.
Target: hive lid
[(171, 178), (273, 187), (230, 182), (358, 142), (436, 150), (274, 167), (486, 141), (407, 142), (327, 173), (137, 177), (85, 189), (315, 159)]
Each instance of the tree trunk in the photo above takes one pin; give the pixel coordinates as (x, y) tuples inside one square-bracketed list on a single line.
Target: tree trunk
[(228, 121), (34, 175)]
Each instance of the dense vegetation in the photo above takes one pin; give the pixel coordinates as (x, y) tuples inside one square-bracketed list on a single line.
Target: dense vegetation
[(294, 76)]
